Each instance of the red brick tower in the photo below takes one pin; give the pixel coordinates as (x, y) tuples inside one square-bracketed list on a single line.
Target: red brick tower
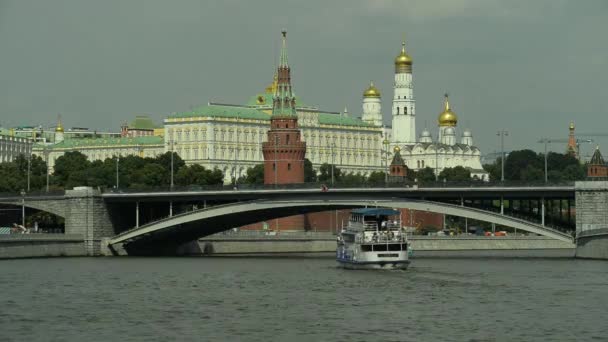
[(398, 168), (284, 151), (597, 167)]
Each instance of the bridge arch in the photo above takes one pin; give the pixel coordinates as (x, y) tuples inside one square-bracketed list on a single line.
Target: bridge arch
[(52, 206), (170, 232)]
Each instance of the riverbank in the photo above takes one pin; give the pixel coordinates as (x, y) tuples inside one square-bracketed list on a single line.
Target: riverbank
[(41, 245), (317, 244)]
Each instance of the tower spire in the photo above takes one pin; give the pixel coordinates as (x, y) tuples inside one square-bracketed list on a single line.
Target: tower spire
[(447, 101), (283, 60)]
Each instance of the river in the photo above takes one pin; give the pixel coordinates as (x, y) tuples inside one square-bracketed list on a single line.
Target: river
[(301, 299)]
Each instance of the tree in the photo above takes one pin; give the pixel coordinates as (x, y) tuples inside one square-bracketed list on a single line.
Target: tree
[(455, 174), (352, 179), (165, 161), (152, 174), (376, 178), (71, 170), (310, 176), (523, 165), (426, 175), (255, 175), (325, 172)]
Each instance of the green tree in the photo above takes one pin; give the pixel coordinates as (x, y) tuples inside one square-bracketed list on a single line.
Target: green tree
[(310, 176), (426, 175), (376, 178), (165, 161), (455, 174), (523, 165), (198, 175), (255, 175), (150, 175), (325, 172), (71, 170), (352, 179)]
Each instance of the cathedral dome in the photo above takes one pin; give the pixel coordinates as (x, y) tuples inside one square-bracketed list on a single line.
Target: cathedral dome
[(403, 59), (467, 133), (450, 131), (447, 117), (371, 91)]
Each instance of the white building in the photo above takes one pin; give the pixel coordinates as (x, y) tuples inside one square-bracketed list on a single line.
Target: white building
[(447, 150), (12, 146)]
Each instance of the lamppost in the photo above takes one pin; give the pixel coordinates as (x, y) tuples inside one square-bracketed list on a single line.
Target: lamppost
[(385, 143), (333, 145), (171, 143), (29, 168), (22, 207), (117, 179), (46, 156), (236, 131), (502, 133)]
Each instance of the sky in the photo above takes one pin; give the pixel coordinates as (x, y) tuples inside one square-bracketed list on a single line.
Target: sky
[(528, 67)]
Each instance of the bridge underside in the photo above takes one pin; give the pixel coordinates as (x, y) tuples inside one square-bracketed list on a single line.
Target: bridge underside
[(165, 236), (166, 241)]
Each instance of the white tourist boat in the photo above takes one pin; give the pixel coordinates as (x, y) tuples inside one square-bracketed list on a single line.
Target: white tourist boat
[(373, 239)]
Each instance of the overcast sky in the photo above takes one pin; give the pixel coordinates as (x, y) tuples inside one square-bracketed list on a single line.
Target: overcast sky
[(527, 66)]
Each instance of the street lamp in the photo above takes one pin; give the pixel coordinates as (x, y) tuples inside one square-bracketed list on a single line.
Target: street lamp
[(171, 143), (333, 145), (502, 133), (385, 143), (22, 207), (117, 180), (46, 156), (29, 168)]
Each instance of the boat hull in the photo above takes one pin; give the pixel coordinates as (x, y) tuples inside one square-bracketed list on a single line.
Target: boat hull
[(375, 265)]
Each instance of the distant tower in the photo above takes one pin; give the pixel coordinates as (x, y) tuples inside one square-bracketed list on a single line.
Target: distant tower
[(404, 105), (372, 108), (597, 166), (345, 113), (59, 131), (425, 137), (398, 170), (284, 151), (467, 138), (447, 120), (571, 148), (124, 129)]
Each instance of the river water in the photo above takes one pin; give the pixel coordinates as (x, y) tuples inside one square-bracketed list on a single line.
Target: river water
[(301, 299)]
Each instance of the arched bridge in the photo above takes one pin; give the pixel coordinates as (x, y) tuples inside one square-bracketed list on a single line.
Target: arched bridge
[(163, 236)]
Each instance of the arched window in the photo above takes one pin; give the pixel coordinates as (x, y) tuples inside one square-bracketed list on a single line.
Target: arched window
[(397, 110), (404, 110), (418, 162), (288, 166)]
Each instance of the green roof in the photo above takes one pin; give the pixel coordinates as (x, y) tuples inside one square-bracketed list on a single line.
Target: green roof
[(72, 143), (143, 122), (224, 112), (256, 114), (336, 119)]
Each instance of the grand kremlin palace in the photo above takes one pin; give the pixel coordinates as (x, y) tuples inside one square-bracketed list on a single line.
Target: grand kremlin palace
[(227, 136)]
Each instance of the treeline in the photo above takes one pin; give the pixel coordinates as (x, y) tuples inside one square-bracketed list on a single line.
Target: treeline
[(74, 169), (529, 166)]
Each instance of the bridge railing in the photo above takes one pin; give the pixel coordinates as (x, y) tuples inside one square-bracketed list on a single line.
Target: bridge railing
[(319, 185)]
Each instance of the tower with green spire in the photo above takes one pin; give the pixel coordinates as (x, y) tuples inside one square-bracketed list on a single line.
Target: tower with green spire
[(284, 151)]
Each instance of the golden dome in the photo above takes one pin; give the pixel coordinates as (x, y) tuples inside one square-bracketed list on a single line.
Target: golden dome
[(372, 91), (59, 127), (397, 149), (447, 117), (403, 62), (572, 125)]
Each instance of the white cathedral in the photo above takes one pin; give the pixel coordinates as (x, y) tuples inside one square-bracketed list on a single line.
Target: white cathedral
[(445, 151)]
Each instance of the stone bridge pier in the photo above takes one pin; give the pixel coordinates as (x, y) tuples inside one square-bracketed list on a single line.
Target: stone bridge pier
[(86, 214), (592, 219)]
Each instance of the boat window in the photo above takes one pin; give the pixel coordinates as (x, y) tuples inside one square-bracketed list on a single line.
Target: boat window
[(394, 247), (388, 255), (366, 248), (380, 248), (348, 238)]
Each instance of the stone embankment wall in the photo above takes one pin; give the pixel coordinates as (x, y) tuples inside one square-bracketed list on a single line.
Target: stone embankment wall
[(593, 245), (422, 246), (41, 245)]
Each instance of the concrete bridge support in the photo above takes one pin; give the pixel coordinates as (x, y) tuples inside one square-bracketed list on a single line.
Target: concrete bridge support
[(592, 219), (86, 214)]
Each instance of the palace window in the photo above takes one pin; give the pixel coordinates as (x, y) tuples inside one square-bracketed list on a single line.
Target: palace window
[(404, 110), (397, 110)]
